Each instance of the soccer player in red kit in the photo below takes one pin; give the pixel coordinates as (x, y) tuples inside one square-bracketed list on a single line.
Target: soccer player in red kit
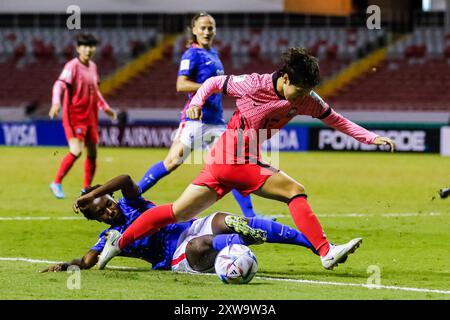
[(264, 102), (77, 91)]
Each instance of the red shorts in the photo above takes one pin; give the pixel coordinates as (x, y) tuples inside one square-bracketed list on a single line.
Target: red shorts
[(88, 134), (246, 178)]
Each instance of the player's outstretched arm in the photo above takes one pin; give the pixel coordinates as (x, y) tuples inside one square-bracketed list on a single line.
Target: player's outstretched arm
[(124, 183), (344, 125), (86, 262)]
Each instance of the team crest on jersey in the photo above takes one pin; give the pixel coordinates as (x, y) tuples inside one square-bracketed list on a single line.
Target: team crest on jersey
[(292, 112), (317, 98)]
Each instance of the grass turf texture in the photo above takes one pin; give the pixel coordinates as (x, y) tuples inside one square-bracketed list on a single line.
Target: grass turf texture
[(410, 251)]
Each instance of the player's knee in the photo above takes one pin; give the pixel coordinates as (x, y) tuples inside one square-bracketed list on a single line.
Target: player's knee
[(295, 190), (172, 163), (182, 216), (76, 151), (201, 244)]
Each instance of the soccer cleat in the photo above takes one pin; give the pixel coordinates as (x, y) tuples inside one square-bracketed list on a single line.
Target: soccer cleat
[(444, 193), (57, 190), (111, 248), (338, 253), (240, 226)]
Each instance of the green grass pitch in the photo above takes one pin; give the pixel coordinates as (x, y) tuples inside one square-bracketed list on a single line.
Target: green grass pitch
[(404, 224)]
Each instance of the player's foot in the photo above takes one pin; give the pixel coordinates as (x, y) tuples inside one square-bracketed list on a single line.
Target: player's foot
[(240, 226), (444, 193), (110, 250), (338, 253), (57, 190), (83, 191)]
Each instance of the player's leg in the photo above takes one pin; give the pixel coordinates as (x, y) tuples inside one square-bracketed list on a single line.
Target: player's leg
[(90, 164), (200, 253), (283, 188), (76, 146), (211, 134), (194, 200), (250, 228), (178, 152)]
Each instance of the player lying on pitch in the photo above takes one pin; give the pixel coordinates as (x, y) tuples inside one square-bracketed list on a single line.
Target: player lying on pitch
[(189, 246)]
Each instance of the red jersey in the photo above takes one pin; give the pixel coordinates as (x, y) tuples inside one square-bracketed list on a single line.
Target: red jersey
[(261, 110), (82, 97)]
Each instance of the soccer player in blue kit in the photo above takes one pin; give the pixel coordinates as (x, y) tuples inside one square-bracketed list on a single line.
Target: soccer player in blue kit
[(183, 247), (198, 63)]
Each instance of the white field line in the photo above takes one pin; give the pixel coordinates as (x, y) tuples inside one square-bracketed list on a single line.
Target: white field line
[(332, 215), (314, 282)]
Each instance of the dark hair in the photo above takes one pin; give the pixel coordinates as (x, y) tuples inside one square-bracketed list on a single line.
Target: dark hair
[(192, 38), (87, 214), (301, 67), (86, 39)]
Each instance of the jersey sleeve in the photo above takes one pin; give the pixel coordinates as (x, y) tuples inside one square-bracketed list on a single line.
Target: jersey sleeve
[(101, 102), (59, 87), (209, 87), (188, 64), (316, 107), (239, 86), (342, 124), (68, 73), (100, 242)]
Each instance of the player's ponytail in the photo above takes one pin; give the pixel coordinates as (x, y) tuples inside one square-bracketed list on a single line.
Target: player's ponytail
[(191, 37), (301, 67)]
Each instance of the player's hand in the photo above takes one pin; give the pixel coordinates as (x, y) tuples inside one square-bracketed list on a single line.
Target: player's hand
[(194, 113), (82, 202), (56, 268), (112, 114), (54, 111), (385, 141)]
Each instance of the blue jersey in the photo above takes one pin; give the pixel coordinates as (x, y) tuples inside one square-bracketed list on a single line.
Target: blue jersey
[(199, 65), (158, 248)]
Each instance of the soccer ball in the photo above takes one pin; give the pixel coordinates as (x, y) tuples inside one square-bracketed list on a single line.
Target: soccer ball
[(236, 264)]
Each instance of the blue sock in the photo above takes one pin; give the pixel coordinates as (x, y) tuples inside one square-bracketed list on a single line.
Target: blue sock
[(220, 241), (280, 233), (245, 203), (152, 176)]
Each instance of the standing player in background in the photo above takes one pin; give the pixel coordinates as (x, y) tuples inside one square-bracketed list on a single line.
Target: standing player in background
[(198, 63), (264, 102), (77, 91)]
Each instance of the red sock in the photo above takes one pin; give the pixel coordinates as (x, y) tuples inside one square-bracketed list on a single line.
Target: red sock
[(64, 167), (89, 170), (308, 224), (149, 222)]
